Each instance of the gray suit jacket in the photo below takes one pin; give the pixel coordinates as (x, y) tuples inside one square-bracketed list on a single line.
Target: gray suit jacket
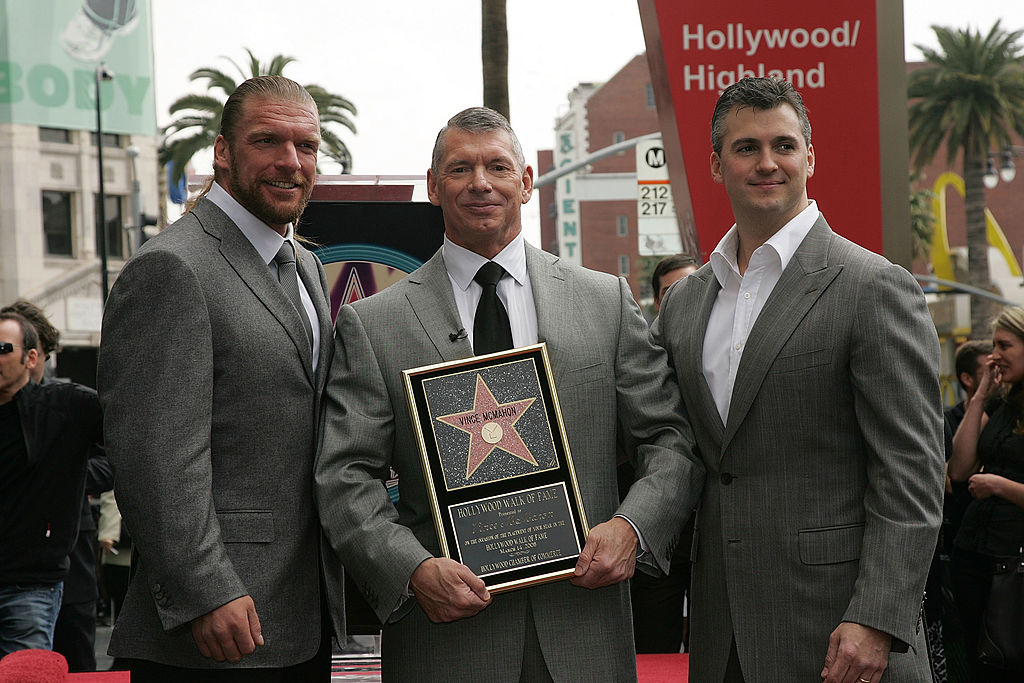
[(212, 407), (825, 484), (607, 373)]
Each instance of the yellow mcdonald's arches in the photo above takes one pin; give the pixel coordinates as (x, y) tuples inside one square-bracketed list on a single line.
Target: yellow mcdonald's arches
[(942, 263)]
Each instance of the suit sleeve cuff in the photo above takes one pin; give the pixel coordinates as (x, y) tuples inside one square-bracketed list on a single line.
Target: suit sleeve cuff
[(642, 548)]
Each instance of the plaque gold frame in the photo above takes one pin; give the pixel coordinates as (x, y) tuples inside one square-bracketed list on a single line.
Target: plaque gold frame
[(515, 515)]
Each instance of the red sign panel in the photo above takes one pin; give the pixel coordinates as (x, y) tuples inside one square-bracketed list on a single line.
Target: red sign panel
[(828, 51)]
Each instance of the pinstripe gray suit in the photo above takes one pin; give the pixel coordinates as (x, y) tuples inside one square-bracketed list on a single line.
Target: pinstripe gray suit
[(608, 375), (824, 486), (211, 407)]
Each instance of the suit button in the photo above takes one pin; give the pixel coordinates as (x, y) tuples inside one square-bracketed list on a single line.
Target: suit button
[(726, 478)]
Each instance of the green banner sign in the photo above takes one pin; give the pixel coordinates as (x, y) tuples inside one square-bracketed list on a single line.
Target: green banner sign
[(49, 53)]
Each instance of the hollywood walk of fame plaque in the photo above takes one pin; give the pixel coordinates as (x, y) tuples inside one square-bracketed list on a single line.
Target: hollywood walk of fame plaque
[(497, 466)]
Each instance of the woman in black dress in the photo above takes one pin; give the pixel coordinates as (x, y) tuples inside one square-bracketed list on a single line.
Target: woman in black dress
[(988, 454)]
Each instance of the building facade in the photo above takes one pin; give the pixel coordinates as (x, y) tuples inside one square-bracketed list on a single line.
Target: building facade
[(598, 205), (57, 57)]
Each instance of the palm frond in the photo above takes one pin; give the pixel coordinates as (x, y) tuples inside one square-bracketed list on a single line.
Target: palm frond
[(215, 78), (197, 120)]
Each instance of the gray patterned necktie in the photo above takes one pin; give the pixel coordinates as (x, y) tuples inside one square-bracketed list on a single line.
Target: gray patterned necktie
[(288, 277)]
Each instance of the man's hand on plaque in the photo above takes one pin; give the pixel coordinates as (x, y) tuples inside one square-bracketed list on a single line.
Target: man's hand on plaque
[(448, 590), (608, 557)]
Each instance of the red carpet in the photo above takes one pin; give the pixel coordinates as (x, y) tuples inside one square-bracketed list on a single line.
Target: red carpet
[(45, 666), (663, 668)]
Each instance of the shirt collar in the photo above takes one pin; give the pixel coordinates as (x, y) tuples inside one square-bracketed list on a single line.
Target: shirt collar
[(462, 263), (264, 239), (785, 242)]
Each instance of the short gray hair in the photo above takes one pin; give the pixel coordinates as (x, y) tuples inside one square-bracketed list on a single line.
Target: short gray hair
[(476, 120)]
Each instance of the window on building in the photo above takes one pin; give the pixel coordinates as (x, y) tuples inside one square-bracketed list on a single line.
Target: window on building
[(619, 136), (649, 89), (622, 225), (54, 135), (57, 222), (623, 265), (109, 139), (115, 225)]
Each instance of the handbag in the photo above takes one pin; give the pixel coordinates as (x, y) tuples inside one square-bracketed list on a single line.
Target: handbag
[(1001, 641)]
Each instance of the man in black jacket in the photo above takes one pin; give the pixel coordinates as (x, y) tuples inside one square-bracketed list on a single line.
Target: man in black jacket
[(75, 633), (46, 435)]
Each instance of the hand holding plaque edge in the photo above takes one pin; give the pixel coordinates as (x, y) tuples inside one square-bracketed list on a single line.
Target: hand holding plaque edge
[(448, 590), (609, 555)]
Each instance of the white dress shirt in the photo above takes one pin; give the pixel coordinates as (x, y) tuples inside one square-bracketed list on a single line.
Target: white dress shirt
[(266, 241), (513, 289), (741, 299)]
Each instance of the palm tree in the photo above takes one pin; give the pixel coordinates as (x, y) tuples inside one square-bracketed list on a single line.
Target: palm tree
[(970, 96), (922, 220), (198, 119), (494, 55)]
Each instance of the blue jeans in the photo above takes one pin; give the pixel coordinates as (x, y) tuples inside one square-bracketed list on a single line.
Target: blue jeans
[(28, 615)]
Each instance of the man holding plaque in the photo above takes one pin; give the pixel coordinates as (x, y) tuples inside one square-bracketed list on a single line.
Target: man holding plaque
[(809, 368), (486, 290)]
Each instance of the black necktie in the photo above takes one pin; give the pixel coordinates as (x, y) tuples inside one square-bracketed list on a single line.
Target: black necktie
[(491, 329), (286, 275)]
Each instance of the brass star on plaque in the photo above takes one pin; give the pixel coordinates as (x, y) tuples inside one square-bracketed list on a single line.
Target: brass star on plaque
[(491, 425)]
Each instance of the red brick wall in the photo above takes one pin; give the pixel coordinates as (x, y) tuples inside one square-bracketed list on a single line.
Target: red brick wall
[(621, 105), (602, 244)]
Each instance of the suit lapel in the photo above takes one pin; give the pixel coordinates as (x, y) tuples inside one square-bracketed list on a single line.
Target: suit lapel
[(702, 300), (554, 301), (433, 304), (806, 277), (246, 261)]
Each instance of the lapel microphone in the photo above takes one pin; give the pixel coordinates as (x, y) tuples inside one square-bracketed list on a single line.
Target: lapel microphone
[(455, 336)]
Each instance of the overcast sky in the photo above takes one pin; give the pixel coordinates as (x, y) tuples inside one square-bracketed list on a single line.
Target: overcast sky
[(408, 65)]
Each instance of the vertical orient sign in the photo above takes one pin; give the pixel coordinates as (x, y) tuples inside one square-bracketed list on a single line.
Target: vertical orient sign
[(844, 58), (567, 214)]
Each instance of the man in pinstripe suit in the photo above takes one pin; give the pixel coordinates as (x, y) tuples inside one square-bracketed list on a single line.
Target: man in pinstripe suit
[(808, 367)]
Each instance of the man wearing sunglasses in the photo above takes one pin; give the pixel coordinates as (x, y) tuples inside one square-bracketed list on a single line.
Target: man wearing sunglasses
[(46, 435), (75, 633)]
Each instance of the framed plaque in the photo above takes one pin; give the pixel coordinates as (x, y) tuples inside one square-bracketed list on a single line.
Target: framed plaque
[(497, 466)]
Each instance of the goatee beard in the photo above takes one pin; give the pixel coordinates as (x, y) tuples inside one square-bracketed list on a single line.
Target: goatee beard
[(271, 214)]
